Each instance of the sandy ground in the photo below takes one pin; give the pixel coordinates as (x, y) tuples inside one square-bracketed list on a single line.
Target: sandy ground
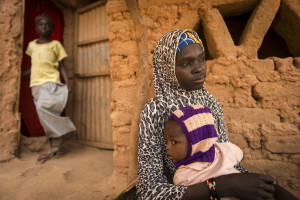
[(85, 173)]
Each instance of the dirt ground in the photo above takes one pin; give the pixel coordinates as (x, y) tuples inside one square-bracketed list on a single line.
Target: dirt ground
[(85, 173)]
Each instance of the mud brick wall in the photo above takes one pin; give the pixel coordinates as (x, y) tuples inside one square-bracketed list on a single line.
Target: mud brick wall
[(261, 108), (10, 62), (260, 97)]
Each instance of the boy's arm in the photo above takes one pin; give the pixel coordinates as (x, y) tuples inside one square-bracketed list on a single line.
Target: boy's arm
[(64, 74), (26, 72)]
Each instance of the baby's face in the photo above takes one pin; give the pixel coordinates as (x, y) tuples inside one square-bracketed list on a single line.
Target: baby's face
[(177, 144), (190, 67), (43, 27)]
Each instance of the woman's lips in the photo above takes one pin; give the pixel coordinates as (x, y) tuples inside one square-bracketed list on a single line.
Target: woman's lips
[(199, 79)]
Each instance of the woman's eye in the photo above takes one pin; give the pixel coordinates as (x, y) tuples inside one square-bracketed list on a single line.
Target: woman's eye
[(201, 59)]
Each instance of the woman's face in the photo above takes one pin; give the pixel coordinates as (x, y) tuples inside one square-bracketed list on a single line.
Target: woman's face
[(190, 67), (177, 144)]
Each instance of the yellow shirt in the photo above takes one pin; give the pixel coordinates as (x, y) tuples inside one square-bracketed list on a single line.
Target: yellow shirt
[(45, 61)]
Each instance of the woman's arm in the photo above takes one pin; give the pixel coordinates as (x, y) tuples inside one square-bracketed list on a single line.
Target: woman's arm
[(282, 194), (246, 186), (152, 183)]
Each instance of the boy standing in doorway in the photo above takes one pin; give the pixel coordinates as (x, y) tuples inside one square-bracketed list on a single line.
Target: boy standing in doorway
[(50, 95)]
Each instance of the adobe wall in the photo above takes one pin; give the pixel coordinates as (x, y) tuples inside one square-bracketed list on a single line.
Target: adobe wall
[(10, 59), (260, 97)]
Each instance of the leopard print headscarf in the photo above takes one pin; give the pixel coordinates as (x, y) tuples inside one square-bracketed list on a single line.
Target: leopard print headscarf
[(170, 96)]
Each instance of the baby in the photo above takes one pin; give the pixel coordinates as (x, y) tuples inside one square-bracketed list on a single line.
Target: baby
[(192, 145)]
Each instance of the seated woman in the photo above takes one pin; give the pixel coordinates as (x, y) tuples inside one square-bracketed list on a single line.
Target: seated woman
[(179, 74)]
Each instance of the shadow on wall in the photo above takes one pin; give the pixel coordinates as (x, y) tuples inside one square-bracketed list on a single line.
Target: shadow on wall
[(272, 46)]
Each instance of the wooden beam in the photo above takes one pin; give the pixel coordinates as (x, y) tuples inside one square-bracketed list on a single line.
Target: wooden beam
[(91, 6), (92, 75), (92, 41)]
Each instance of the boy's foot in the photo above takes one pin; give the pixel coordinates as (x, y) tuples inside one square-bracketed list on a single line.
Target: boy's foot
[(43, 158), (62, 151)]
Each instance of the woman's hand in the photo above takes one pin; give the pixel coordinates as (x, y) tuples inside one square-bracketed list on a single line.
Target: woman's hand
[(245, 186)]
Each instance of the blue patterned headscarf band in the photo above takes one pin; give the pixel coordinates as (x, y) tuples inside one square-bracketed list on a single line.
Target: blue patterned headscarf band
[(186, 39)]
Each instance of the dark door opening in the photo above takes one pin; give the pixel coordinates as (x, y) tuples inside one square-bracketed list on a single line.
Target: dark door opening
[(30, 125)]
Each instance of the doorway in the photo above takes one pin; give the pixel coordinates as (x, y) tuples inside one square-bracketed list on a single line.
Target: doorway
[(30, 125)]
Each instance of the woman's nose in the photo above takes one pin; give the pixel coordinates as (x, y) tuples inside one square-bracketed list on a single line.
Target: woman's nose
[(198, 67)]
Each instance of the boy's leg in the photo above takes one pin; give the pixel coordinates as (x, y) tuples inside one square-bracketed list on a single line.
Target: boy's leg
[(55, 145), (56, 148)]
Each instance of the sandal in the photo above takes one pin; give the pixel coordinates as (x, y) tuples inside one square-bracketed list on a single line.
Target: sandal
[(43, 158)]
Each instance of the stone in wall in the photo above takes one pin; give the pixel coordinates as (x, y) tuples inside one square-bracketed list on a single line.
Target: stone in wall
[(279, 88), (279, 144), (242, 97), (121, 145)]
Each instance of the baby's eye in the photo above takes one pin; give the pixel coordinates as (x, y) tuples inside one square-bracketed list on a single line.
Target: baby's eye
[(185, 64), (173, 142)]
